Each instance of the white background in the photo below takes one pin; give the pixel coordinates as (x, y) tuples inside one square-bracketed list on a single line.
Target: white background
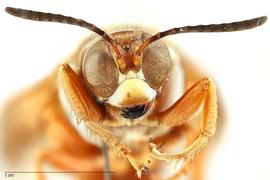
[(239, 62)]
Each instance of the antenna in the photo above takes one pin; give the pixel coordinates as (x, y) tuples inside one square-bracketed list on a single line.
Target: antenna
[(49, 17), (224, 27)]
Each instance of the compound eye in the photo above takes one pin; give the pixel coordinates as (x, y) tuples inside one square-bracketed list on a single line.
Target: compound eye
[(156, 64), (100, 70)]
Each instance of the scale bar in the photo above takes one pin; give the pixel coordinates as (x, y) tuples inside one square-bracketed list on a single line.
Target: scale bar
[(56, 172)]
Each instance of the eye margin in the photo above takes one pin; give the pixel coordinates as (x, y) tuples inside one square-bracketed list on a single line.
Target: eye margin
[(100, 48), (157, 50)]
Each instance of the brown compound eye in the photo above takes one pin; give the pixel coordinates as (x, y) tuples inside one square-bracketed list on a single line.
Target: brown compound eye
[(156, 64), (100, 70)]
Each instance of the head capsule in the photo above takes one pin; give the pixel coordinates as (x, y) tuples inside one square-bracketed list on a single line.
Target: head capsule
[(131, 82), (127, 68)]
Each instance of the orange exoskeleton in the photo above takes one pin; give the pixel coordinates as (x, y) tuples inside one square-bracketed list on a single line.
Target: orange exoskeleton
[(113, 92)]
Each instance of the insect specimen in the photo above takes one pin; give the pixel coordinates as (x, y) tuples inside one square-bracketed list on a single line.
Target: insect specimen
[(113, 92)]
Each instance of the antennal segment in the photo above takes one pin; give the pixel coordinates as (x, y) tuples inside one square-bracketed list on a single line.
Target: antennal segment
[(224, 27), (49, 17)]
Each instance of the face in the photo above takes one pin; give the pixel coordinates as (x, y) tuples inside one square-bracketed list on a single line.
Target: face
[(132, 82), (126, 69)]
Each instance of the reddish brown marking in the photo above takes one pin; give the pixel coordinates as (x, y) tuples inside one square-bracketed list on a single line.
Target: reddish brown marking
[(128, 42)]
